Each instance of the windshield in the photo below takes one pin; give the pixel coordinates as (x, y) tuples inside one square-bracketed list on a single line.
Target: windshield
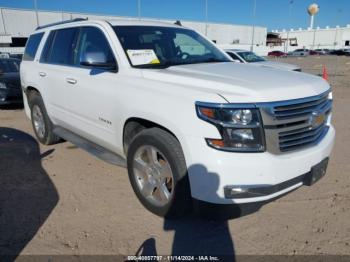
[(9, 66), (250, 57), (157, 47)]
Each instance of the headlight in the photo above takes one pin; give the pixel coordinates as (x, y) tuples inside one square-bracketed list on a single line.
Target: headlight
[(240, 128), (330, 95), (2, 86)]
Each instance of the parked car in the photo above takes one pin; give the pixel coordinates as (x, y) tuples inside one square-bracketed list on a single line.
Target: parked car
[(340, 52), (314, 52), (299, 52), (18, 56), (10, 84), (189, 125), (4, 55), (247, 57), (323, 51), (277, 53)]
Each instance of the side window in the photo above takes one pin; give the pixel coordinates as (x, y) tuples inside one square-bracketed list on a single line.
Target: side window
[(62, 47), (32, 46), (92, 40)]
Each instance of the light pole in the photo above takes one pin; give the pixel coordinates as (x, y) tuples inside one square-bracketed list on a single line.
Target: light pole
[(313, 40), (253, 31), (36, 12), (139, 9), (289, 22), (3, 20), (335, 37), (206, 17)]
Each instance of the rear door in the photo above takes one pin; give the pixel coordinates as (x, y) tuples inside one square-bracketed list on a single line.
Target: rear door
[(28, 69)]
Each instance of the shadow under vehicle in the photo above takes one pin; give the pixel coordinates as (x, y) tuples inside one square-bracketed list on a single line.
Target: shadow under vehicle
[(27, 194)]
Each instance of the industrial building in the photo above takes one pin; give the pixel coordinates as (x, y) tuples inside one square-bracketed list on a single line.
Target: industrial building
[(331, 38), (18, 24), (311, 38)]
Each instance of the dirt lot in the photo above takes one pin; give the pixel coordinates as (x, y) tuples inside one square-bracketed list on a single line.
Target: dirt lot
[(61, 200)]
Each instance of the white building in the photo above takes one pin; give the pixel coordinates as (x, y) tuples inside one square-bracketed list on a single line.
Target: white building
[(331, 38), (18, 24)]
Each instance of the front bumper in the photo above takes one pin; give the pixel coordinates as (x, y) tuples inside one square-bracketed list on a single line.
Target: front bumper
[(212, 171), (307, 179), (10, 97)]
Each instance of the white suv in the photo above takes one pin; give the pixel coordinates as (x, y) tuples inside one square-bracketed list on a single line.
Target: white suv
[(187, 122)]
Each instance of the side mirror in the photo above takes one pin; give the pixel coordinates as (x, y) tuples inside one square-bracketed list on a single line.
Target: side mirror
[(96, 59)]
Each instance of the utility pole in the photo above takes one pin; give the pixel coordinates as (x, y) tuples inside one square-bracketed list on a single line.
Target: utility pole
[(206, 17), (36, 12), (253, 31)]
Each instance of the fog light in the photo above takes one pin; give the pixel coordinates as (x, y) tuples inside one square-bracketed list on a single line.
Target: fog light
[(238, 190)]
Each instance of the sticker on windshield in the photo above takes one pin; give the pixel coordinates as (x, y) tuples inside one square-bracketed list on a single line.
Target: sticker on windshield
[(142, 57)]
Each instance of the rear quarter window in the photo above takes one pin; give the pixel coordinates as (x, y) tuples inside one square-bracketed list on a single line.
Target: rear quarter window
[(32, 47)]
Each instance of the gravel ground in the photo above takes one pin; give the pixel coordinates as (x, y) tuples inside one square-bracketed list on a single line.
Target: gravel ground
[(61, 200)]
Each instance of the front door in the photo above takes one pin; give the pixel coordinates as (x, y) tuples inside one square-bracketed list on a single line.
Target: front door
[(92, 103)]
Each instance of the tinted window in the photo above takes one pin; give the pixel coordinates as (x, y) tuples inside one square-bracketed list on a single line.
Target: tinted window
[(62, 47), (32, 46), (92, 40), (9, 65)]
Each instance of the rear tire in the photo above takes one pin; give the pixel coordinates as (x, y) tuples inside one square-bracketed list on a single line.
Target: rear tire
[(158, 173), (42, 125)]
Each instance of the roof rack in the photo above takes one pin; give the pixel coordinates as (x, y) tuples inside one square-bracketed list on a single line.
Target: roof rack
[(62, 22)]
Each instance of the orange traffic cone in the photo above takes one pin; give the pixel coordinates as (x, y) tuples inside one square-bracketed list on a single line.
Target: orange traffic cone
[(325, 73)]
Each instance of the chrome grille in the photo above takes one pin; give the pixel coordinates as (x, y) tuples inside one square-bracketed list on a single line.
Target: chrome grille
[(295, 124), (302, 137), (302, 108)]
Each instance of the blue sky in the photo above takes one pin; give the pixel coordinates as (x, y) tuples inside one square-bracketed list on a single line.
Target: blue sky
[(270, 13)]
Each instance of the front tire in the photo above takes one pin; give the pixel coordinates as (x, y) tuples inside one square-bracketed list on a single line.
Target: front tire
[(42, 125), (158, 173)]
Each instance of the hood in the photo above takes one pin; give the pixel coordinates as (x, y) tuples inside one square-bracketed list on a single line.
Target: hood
[(11, 80), (241, 83), (278, 65)]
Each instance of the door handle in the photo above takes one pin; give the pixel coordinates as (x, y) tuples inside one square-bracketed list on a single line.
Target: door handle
[(71, 81), (42, 74)]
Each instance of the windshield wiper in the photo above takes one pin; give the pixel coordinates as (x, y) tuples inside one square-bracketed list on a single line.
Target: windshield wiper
[(154, 66), (210, 60), (166, 64)]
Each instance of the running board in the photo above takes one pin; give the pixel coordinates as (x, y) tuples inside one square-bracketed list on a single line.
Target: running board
[(90, 147)]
